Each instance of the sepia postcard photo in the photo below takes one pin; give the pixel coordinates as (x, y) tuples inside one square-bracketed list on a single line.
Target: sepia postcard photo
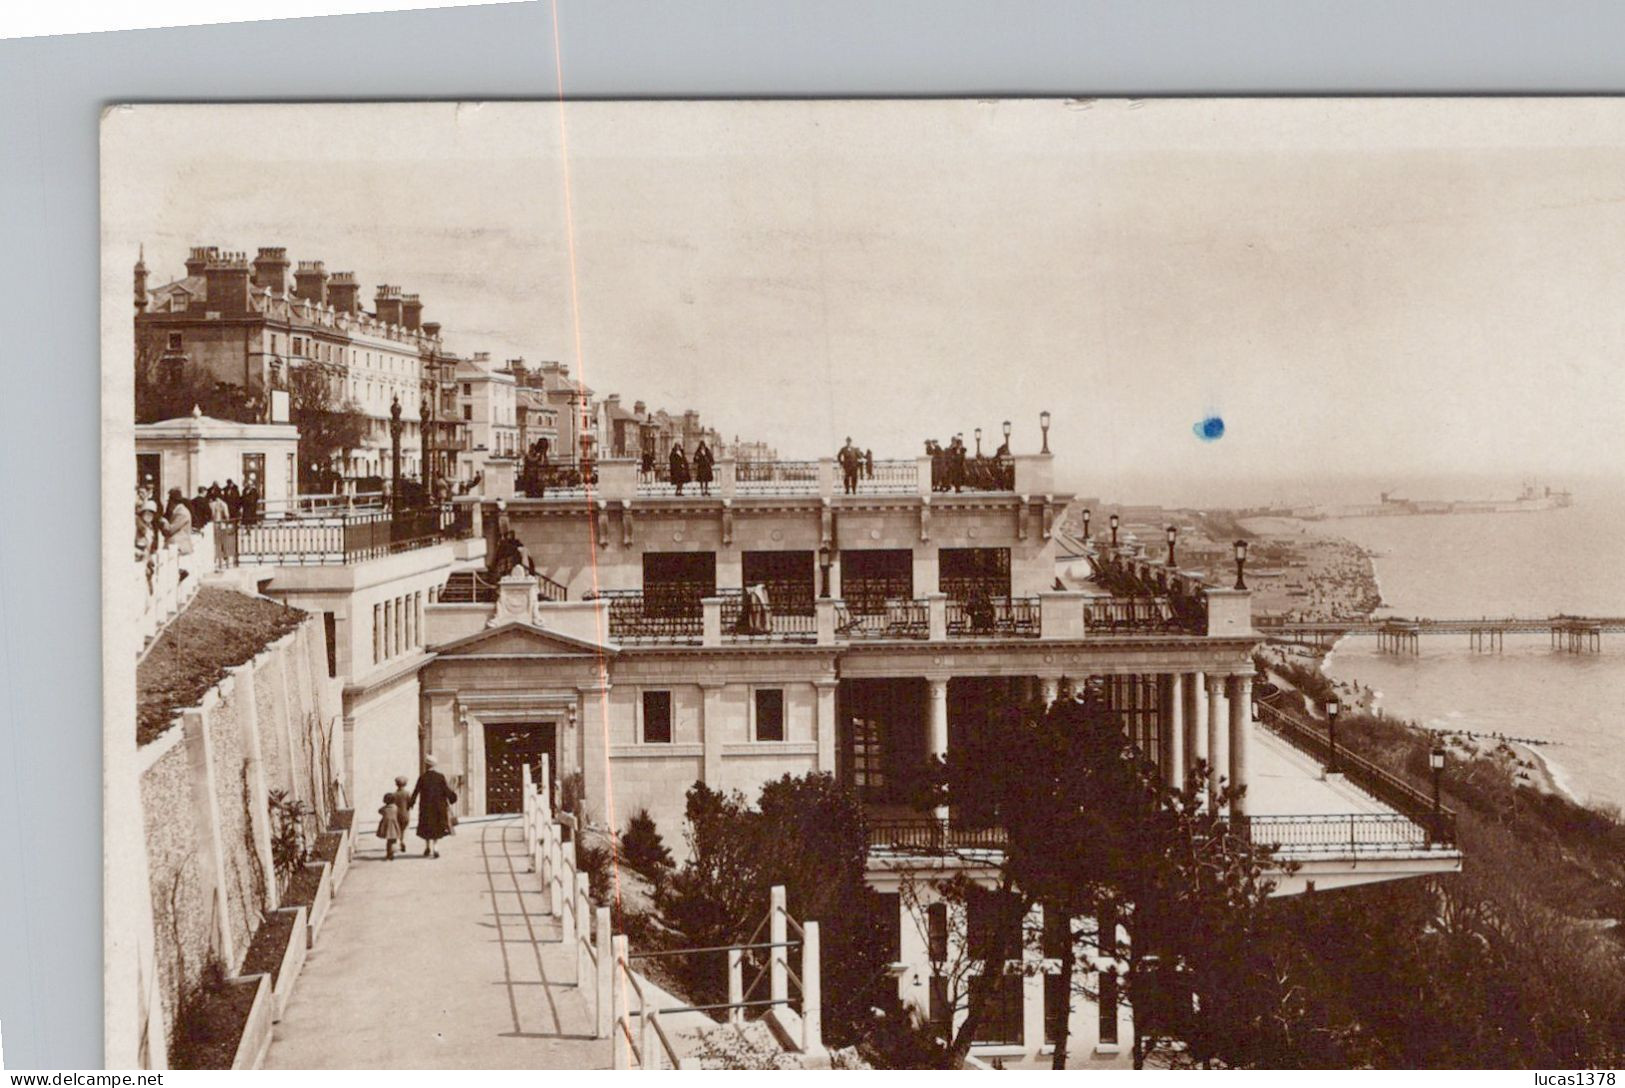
[(911, 584)]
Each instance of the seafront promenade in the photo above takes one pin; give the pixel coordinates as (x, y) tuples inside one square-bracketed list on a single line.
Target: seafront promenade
[(440, 964)]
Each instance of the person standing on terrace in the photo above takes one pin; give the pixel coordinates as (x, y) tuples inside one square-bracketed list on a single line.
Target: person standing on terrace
[(702, 467), (850, 458), (678, 465)]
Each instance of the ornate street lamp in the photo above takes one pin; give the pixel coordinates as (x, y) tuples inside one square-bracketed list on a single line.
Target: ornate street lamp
[(1007, 432), (1086, 515), (1173, 533), (1436, 760), (1241, 562), (978, 442), (1331, 732), (425, 429), (1043, 423), (826, 556), (395, 453), (1114, 532)]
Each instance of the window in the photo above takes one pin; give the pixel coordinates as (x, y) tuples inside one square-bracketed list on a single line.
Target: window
[(936, 929), (1057, 996), (175, 342), (657, 717), (468, 412), (377, 633), (769, 714), (468, 389), (1108, 1006), (998, 997)]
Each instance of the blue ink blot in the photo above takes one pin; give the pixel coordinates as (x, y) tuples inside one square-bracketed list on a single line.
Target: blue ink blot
[(1210, 429)]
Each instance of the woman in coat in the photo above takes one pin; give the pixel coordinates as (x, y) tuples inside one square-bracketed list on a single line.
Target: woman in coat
[(679, 468), (433, 797), (178, 526), (702, 467)]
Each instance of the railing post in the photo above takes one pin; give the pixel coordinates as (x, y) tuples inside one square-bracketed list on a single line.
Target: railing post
[(620, 1016), (812, 1020), (936, 614), (711, 621), (651, 1036), (736, 985), (583, 914), (527, 808), (606, 973), (544, 788), (824, 611), (778, 960)]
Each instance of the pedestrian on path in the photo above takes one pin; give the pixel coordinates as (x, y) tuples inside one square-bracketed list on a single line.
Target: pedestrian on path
[(403, 805), (389, 826), (434, 797)]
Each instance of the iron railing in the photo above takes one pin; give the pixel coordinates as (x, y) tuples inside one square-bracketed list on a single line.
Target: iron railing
[(1379, 782), (972, 474), (994, 617), (473, 587), (744, 620), (1345, 834), (889, 478), (932, 835), (775, 477), (888, 619), (635, 616), (1184, 614), (340, 538)]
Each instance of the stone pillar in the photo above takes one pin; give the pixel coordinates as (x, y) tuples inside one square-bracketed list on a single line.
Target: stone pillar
[(1195, 718), (778, 957), (936, 611), (592, 712), (824, 621), (826, 725), (1241, 712), (711, 621), (1173, 728), (1218, 745), (937, 725), (711, 730)]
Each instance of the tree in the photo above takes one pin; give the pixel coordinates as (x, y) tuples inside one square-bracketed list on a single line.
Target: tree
[(329, 428), (165, 390)]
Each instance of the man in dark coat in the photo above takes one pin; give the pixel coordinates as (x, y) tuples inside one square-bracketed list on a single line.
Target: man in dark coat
[(250, 503), (434, 797), (850, 459), (233, 497)]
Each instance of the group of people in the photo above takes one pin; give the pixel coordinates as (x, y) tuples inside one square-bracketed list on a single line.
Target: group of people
[(680, 471), (433, 797), (951, 465), (855, 463)]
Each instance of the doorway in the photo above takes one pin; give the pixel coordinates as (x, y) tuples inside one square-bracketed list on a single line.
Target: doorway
[(510, 746)]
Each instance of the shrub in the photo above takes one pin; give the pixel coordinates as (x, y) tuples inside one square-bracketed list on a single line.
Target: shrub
[(643, 849), (596, 862)]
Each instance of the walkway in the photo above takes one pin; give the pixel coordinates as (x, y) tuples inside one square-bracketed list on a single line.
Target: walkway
[(446, 964)]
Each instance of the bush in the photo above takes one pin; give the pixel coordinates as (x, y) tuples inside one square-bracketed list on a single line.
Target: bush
[(643, 849), (596, 862)]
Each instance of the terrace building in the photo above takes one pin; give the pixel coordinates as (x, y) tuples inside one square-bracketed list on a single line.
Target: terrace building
[(779, 626)]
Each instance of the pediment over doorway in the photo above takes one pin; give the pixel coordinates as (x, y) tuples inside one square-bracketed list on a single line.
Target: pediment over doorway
[(521, 640)]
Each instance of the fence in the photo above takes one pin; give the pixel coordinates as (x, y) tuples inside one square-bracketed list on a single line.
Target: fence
[(332, 539), (1138, 615), (637, 617), (1010, 617), (473, 587), (1340, 835), (775, 477), (604, 973), (932, 835), (1414, 805), (745, 620), (891, 619)]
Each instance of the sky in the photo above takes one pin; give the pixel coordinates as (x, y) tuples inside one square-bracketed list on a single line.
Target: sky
[(1380, 290)]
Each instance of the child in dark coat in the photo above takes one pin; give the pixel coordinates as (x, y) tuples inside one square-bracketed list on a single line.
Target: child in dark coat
[(389, 827)]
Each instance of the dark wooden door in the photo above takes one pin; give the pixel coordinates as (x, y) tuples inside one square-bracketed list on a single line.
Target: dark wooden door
[(509, 747)]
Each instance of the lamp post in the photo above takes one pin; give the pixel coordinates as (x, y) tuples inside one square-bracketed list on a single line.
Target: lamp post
[(978, 442), (1331, 732), (1241, 561), (826, 556), (1007, 435), (425, 429), (1436, 762), (1086, 515), (1043, 424), (395, 454), (1173, 533), (1113, 522)]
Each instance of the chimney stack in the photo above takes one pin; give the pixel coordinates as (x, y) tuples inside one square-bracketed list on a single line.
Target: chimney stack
[(200, 258), (344, 293), (412, 312), (639, 409), (431, 329), (310, 282), (386, 303), (226, 279), (271, 269)]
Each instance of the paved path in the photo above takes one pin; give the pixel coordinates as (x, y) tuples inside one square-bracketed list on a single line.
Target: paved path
[(446, 964)]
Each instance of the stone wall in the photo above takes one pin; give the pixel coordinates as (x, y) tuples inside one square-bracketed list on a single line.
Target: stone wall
[(204, 796)]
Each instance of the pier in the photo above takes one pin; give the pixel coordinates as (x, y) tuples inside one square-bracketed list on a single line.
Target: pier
[(1570, 634)]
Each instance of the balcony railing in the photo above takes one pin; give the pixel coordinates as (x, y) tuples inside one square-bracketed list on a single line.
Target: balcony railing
[(1343, 835), (897, 619), (336, 539), (746, 619), (889, 478), (931, 835), (1385, 786), (636, 617), (776, 477), (1146, 615), (994, 617), (474, 587)]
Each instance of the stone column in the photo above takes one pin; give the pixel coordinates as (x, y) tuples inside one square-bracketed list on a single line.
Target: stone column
[(1195, 718), (937, 725), (1217, 747), (1241, 712), (1173, 728), (827, 731)]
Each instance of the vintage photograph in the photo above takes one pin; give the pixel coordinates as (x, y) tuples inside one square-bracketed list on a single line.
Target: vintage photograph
[(910, 584)]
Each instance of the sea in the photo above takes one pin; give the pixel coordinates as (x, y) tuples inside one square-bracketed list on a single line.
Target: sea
[(1535, 563)]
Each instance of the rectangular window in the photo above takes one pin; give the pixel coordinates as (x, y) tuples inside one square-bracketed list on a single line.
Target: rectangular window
[(1107, 938), (1108, 1006), (998, 997), (936, 929), (377, 633), (330, 629), (389, 620), (769, 713), (468, 412), (468, 389), (400, 622), (174, 341), (1057, 996), (942, 1010), (657, 717)]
